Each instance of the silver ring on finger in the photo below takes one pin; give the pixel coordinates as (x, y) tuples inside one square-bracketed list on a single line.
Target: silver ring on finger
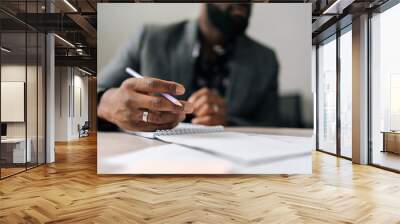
[(145, 116)]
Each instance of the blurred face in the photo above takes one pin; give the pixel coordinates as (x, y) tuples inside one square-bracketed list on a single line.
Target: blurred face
[(231, 20)]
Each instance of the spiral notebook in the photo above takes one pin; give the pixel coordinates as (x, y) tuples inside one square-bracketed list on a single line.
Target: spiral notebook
[(181, 129), (235, 146)]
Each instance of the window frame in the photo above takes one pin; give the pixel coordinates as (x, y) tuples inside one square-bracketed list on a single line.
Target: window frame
[(378, 10), (333, 37), (27, 29)]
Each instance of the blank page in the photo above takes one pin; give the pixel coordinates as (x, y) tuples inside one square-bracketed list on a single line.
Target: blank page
[(242, 147), (166, 159)]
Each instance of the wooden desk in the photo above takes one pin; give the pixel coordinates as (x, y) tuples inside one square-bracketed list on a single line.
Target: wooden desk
[(391, 141), (111, 144)]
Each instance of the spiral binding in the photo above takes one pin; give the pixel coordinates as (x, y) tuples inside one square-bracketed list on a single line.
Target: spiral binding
[(188, 131)]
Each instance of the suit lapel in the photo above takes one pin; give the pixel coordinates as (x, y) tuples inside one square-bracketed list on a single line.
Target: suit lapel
[(240, 76), (183, 62)]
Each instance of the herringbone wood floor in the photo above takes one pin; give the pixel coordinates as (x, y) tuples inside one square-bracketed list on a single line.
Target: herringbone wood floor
[(69, 191)]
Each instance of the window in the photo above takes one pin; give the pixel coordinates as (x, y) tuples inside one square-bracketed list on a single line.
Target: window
[(327, 96), (22, 77), (15, 147), (334, 77), (346, 93), (385, 89)]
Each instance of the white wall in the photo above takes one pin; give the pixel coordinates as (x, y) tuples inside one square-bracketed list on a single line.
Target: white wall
[(284, 27), (66, 119), (13, 100), (12, 73), (124, 18), (287, 29), (80, 84), (61, 103), (34, 125)]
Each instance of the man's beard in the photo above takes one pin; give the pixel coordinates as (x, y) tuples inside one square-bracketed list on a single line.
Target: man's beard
[(230, 26)]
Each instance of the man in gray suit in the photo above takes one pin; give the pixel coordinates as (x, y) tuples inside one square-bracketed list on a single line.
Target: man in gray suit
[(225, 77)]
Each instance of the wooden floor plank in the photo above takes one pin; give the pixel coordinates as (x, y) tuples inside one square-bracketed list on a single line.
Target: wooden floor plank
[(70, 191)]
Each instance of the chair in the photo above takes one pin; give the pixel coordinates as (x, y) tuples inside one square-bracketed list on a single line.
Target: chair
[(290, 111), (84, 130)]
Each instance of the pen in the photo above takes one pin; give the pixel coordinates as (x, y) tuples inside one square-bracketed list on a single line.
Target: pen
[(133, 73)]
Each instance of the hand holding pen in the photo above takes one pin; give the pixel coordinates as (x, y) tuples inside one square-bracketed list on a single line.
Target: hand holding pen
[(134, 107)]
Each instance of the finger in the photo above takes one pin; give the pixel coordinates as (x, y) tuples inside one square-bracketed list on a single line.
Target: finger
[(136, 123), (208, 98), (187, 107), (182, 117), (144, 126), (194, 97), (209, 120), (209, 104), (207, 109), (159, 103), (154, 85), (204, 99), (155, 117)]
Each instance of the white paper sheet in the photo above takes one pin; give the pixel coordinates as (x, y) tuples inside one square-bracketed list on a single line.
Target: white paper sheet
[(242, 147), (166, 159)]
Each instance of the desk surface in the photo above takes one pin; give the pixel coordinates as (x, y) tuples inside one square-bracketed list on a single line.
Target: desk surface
[(111, 144), (390, 132), (13, 140)]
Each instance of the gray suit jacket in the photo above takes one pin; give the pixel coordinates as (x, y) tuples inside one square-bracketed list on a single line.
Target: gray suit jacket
[(165, 52)]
